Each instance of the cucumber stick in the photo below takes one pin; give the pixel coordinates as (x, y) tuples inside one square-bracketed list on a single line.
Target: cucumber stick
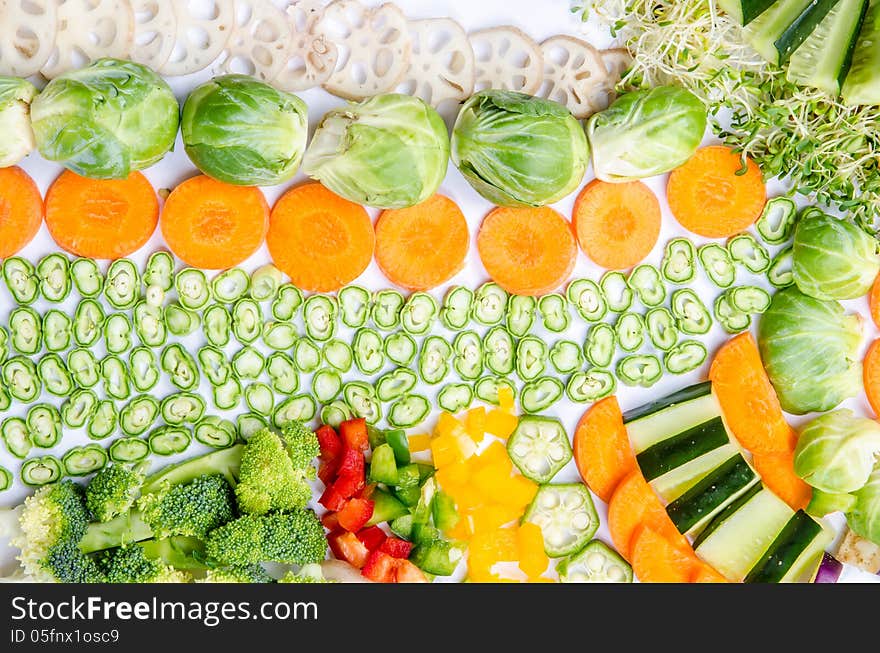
[(862, 85), (778, 32), (745, 11)]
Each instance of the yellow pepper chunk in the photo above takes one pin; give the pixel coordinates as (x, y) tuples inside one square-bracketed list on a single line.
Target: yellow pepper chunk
[(445, 451), (475, 423), (533, 561), (419, 442), (447, 424), (501, 423), (495, 455), (506, 399), (493, 516), (519, 492)]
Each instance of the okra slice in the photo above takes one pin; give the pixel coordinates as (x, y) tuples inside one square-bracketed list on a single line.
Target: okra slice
[(780, 274), (335, 413), (595, 563), (361, 399), (169, 440), (539, 448), (117, 333), (434, 359), (616, 292), (499, 351), (180, 321), (279, 336), (554, 312), (53, 272), (777, 220), (354, 306), (193, 291), (217, 325), (661, 328), (21, 380), (4, 343), (182, 408), (5, 479), (104, 420), (541, 393), (600, 345), (306, 355), (400, 348), (248, 424), (590, 386), (566, 356), (260, 399), (115, 377), (138, 415), (387, 305), (78, 408), (531, 358), (731, 319), (646, 282), (56, 330), (247, 320), (88, 322), (748, 299), (395, 384), (566, 515), (143, 368), (468, 355), (282, 373), (214, 365), (630, 331), (319, 315), (326, 385), (490, 304), (159, 271), (16, 436), (230, 285), (685, 357), (408, 411), (301, 408), (287, 302), (679, 261), (44, 425), (748, 252), (457, 305), (248, 363), (83, 368), (368, 349), (53, 372), (692, 316), (227, 395), (44, 470), (338, 355), (419, 313), (86, 277), (129, 450), (265, 282), (122, 288), (149, 324), (486, 389), (639, 370), (215, 432), (25, 330), (180, 367), (718, 265), (521, 311), (455, 397), (21, 280), (587, 299)]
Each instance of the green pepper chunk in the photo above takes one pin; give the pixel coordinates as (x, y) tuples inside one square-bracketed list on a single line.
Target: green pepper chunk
[(383, 465)]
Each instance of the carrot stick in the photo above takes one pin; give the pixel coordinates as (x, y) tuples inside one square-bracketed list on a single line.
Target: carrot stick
[(871, 375), (601, 448), (656, 559), (617, 225), (423, 246), (777, 474), (710, 197), (21, 210), (210, 224), (527, 251), (874, 302), (320, 240), (703, 573)]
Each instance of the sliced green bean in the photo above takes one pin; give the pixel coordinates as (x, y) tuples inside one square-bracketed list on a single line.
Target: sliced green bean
[(749, 299), (748, 252), (554, 312), (44, 470), (531, 358), (616, 292), (180, 366), (84, 460), (4, 343), (326, 385), (115, 377), (44, 425), (679, 261), (566, 356), (149, 324), (122, 287), (521, 310), (731, 319), (25, 330), (692, 316), (419, 313), (215, 432), (301, 408), (408, 411), (434, 359), (53, 271), (21, 380), (646, 282), (117, 333), (138, 415), (169, 440), (180, 321), (490, 304), (217, 325), (247, 424), (88, 322), (143, 369), (214, 365), (354, 306), (282, 373), (154, 296), (685, 357), (230, 285), (600, 345), (395, 384), (457, 306), (486, 389), (306, 355), (455, 397), (129, 450), (193, 290), (468, 355), (499, 351), (6, 479), (21, 280), (104, 421), (629, 330), (56, 330), (662, 331), (779, 274), (541, 393), (248, 363), (586, 296), (338, 355), (52, 371), (87, 277), (159, 271), (319, 315), (361, 399), (16, 437), (368, 349), (385, 313), (287, 302), (79, 408), (265, 282), (718, 265), (400, 348), (247, 320), (279, 336), (777, 220), (259, 398), (182, 408), (5, 400), (590, 386), (227, 395), (639, 370), (335, 413), (83, 368)]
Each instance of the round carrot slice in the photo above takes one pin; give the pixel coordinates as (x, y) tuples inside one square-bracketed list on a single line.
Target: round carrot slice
[(656, 559), (210, 224), (421, 247), (617, 225), (602, 450), (871, 375), (21, 210), (711, 196), (874, 302), (320, 240), (527, 251)]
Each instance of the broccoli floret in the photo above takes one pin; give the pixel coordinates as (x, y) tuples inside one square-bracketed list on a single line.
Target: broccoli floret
[(268, 479), (308, 574), (248, 574), (187, 553), (296, 537), (113, 491), (192, 509), (130, 564), (302, 446)]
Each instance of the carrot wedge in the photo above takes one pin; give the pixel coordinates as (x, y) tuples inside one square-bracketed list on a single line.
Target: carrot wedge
[(21, 210), (777, 474), (703, 573), (602, 450), (656, 559), (874, 302), (871, 375)]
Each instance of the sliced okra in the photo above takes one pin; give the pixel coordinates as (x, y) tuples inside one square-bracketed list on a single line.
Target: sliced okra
[(53, 372), (685, 357), (486, 389), (586, 296), (629, 331), (44, 425), (691, 315), (56, 330), (16, 436), (115, 377), (193, 291), (138, 415), (490, 304), (87, 277), (455, 397), (306, 355), (554, 312), (301, 408), (326, 385), (600, 345), (182, 408), (646, 282), (468, 355), (731, 319), (521, 310), (718, 265), (354, 306), (279, 336), (531, 358), (779, 274), (180, 321), (679, 261), (749, 299), (21, 380), (53, 271), (247, 320), (457, 305), (215, 432), (265, 282), (44, 470), (319, 316), (499, 351), (368, 349), (143, 368), (338, 355), (616, 292), (149, 325), (639, 370), (777, 220), (129, 450), (408, 411), (122, 288), (385, 312), (227, 395), (180, 367), (248, 363), (395, 384), (159, 271), (230, 285), (361, 399), (78, 408), (400, 348), (83, 368), (88, 322), (117, 333), (661, 328), (6, 479), (282, 373), (419, 313), (590, 386), (4, 343), (541, 393), (103, 421), (566, 356), (287, 302), (21, 280), (247, 424), (434, 359), (748, 252), (214, 365), (259, 398), (169, 440), (335, 413), (25, 330)]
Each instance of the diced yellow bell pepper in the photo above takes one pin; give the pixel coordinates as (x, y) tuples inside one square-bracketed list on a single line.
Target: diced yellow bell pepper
[(519, 492), (506, 399), (447, 424), (501, 423), (462, 529), (456, 474), (466, 446), (498, 545), (468, 497), (493, 516), (445, 451), (495, 455), (475, 423), (533, 561), (491, 481), (419, 442)]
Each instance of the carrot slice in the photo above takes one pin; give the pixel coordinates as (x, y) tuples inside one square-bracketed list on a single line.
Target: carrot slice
[(527, 251), (601, 448), (871, 375), (874, 302), (777, 474), (214, 225), (423, 246), (703, 573), (749, 402), (320, 240), (709, 196), (634, 504), (617, 225), (21, 210), (656, 559), (101, 218)]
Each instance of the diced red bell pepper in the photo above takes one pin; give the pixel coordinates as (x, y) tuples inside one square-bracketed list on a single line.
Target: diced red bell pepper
[(332, 499), (355, 514), (367, 492), (330, 520), (372, 537), (327, 470), (348, 486), (346, 546), (354, 434), (352, 463), (407, 572), (396, 548), (380, 568), (329, 442)]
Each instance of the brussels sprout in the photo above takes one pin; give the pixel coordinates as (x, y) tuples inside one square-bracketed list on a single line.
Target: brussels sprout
[(15, 125), (390, 151), (833, 258), (646, 133), (518, 150), (105, 120), (864, 519), (810, 351), (242, 131), (836, 452)]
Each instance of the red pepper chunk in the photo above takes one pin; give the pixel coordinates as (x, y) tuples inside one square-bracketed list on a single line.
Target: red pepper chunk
[(372, 537), (355, 514), (327, 470), (396, 547), (330, 521), (329, 442), (380, 568), (354, 434), (350, 476), (332, 499), (346, 546)]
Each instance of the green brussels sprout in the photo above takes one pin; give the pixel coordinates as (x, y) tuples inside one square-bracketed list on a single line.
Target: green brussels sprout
[(646, 133), (833, 258), (810, 351), (836, 452), (519, 150), (106, 119), (864, 518), (390, 151), (242, 131), (15, 125)]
